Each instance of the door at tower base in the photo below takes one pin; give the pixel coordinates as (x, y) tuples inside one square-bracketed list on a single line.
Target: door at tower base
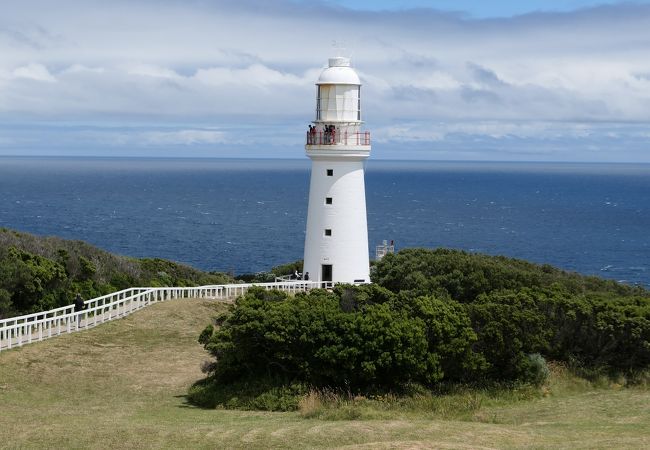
[(336, 243), (326, 273)]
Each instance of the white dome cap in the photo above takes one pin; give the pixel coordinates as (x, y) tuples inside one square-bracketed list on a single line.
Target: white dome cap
[(339, 72)]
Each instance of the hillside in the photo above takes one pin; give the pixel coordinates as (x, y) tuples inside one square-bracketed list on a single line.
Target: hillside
[(432, 319), (40, 273), (122, 385)]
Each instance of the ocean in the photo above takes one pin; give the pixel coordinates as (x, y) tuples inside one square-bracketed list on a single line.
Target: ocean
[(249, 215)]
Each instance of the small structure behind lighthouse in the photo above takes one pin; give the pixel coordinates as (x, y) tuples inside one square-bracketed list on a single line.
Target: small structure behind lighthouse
[(336, 242)]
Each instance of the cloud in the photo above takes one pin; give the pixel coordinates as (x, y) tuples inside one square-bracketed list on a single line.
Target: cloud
[(252, 62), (37, 72), (419, 131), (149, 70), (256, 75), (184, 137)]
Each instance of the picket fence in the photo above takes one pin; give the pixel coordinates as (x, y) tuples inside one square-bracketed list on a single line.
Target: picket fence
[(21, 330)]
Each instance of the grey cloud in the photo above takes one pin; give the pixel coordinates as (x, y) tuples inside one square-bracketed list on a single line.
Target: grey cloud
[(253, 60), (32, 36), (412, 94), (471, 95), (484, 75)]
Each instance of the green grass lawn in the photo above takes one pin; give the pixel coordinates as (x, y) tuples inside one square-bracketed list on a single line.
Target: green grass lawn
[(122, 384)]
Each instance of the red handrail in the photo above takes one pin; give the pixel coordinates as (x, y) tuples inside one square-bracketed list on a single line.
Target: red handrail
[(334, 138)]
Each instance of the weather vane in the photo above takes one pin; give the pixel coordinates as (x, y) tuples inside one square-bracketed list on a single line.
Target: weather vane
[(339, 47)]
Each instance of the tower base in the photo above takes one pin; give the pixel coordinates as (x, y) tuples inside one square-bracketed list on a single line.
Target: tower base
[(336, 242)]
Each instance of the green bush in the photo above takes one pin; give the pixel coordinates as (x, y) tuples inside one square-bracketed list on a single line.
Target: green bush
[(6, 306), (536, 370), (247, 394), (310, 338), (518, 308), (362, 339), (464, 276), (433, 318), (40, 273), (206, 334), (450, 337), (509, 326)]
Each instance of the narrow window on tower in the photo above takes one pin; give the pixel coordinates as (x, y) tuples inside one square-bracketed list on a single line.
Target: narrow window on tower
[(328, 231), (330, 172), (328, 200), (318, 104), (359, 104)]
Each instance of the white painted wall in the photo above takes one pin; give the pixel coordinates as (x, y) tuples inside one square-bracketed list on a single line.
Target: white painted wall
[(347, 248)]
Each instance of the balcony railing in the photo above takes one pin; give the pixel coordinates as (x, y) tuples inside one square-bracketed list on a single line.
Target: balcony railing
[(334, 138)]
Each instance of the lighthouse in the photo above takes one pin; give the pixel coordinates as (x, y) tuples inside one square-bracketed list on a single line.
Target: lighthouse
[(336, 241)]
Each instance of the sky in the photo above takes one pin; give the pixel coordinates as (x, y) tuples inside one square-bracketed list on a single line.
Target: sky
[(442, 80), (478, 8)]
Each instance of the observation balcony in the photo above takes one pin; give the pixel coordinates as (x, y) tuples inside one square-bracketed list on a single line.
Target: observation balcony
[(335, 138)]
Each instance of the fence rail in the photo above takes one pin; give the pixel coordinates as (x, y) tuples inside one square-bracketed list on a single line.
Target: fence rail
[(21, 330), (336, 138)]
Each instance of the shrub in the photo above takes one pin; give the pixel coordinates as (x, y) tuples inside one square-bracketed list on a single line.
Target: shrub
[(509, 326), (536, 371), (464, 276), (6, 306), (310, 338), (518, 308), (206, 334), (40, 273), (435, 319), (356, 338), (248, 394)]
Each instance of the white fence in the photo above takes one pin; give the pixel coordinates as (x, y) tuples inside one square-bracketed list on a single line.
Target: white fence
[(21, 330)]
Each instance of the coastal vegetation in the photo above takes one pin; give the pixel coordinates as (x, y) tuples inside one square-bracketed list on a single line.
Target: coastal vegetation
[(40, 273), (435, 320), (123, 385), (287, 269), (443, 339)]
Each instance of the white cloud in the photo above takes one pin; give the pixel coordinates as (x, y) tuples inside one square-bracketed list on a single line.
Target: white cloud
[(33, 71), (256, 75), (183, 137), (80, 68), (149, 70), (221, 63), (428, 131)]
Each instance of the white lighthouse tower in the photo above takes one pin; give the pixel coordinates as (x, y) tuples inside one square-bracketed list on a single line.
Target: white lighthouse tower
[(336, 243)]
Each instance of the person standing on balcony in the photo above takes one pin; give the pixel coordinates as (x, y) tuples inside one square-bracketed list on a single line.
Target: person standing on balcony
[(310, 136)]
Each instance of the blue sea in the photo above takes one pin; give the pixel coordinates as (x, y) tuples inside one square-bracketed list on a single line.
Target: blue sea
[(249, 215)]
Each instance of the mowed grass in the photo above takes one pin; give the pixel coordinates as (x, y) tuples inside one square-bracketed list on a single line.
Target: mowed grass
[(123, 384)]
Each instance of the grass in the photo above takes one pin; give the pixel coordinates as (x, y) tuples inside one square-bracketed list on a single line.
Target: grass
[(123, 385)]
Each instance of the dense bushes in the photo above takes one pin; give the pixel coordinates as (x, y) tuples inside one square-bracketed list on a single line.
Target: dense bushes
[(40, 273), (518, 308), (464, 276), (310, 338), (433, 317), (269, 277), (30, 280), (361, 338)]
